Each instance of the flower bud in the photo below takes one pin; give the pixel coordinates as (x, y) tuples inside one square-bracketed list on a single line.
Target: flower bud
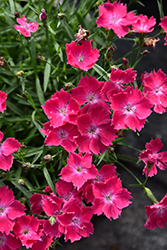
[(25, 97), (150, 195), (43, 15), (145, 52), (20, 182), (41, 58), (109, 53), (68, 85), (61, 15), (16, 14), (19, 73), (47, 189), (52, 220), (26, 165), (3, 63), (48, 158), (125, 63), (81, 35)]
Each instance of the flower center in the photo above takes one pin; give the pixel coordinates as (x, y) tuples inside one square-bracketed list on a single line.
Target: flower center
[(129, 109), (26, 231), (81, 58)]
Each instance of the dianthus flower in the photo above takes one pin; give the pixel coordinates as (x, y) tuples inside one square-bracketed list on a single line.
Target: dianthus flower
[(63, 135), (81, 56), (163, 25), (75, 221), (27, 229), (131, 109), (25, 28), (79, 169), (9, 146), (61, 108), (10, 210), (114, 16), (144, 24), (155, 88), (157, 214), (88, 91), (110, 198), (116, 83), (3, 97), (9, 242), (152, 158), (96, 130)]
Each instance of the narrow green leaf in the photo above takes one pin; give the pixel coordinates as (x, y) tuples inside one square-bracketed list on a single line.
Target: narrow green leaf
[(101, 71), (160, 8), (33, 55), (48, 179), (39, 92), (47, 74), (21, 188), (12, 6), (68, 30)]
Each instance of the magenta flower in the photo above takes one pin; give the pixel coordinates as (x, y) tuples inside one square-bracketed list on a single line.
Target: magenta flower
[(81, 56), (110, 198), (152, 158), (144, 24), (63, 135), (131, 109), (75, 221), (36, 203), (88, 91), (163, 25), (9, 146), (117, 82), (114, 16), (79, 169), (10, 210), (27, 229), (3, 97), (155, 88), (61, 108), (96, 130), (25, 28), (157, 214), (9, 242)]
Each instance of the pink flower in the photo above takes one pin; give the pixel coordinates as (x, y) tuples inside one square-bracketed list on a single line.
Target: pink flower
[(75, 222), (157, 214), (81, 56), (116, 83), (25, 28), (114, 16), (110, 198), (63, 135), (10, 210), (3, 97), (96, 130), (131, 109), (9, 146), (27, 230), (163, 25), (152, 158), (36, 203), (9, 242), (155, 88), (79, 169), (144, 24), (61, 108), (88, 91)]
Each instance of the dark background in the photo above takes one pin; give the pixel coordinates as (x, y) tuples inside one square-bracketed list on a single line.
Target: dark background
[(127, 232)]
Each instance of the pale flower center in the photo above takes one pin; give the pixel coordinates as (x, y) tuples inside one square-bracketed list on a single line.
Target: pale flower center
[(81, 58), (129, 109)]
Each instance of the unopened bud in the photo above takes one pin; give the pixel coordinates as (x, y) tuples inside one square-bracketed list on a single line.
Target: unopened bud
[(68, 85), (41, 58), (43, 15), (20, 182), (25, 97), (61, 15), (125, 63), (150, 195), (52, 220), (47, 189), (16, 14), (26, 165), (109, 53), (48, 158), (19, 73), (145, 52), (3, 63)]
